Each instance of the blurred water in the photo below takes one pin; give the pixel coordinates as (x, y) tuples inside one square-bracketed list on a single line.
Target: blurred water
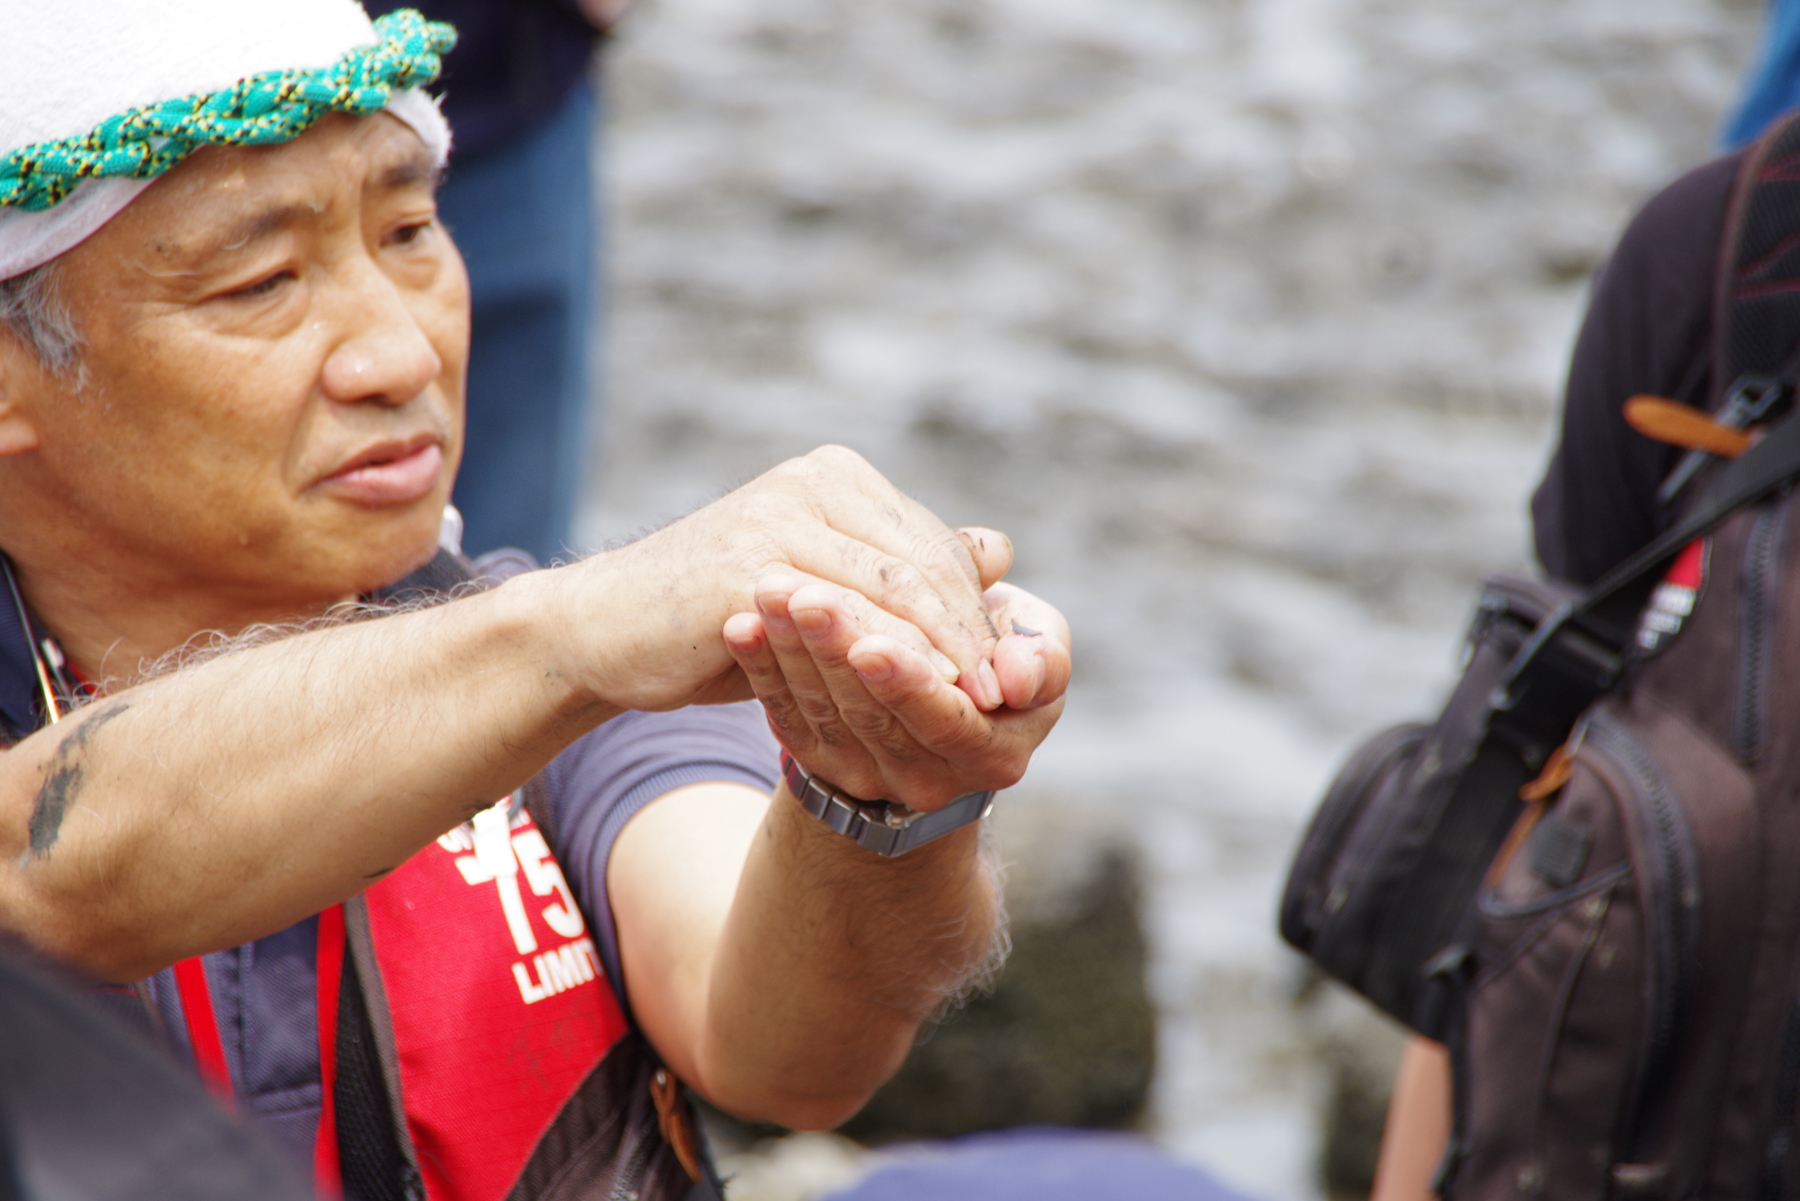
[(1245, 318)]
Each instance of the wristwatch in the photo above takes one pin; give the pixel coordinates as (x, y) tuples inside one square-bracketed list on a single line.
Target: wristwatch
[(886, 827)]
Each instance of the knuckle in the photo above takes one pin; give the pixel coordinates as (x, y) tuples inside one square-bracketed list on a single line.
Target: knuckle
[(903, 584), (869, 725), (818, 710), (780, 714), (894, 745), (837, 457)]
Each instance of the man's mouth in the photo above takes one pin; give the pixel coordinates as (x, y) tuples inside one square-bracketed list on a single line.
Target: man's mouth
[(389, 474)]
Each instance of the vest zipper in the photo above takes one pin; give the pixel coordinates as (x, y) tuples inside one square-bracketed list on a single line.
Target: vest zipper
[(1671, 890), (1755, 642), (626, 1186)]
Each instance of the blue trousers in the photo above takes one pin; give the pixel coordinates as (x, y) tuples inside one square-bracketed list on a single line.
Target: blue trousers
[(526, 220)]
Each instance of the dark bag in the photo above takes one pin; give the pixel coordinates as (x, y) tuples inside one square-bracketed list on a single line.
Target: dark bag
[(1384, 875), (1411, 822), (1614, 965)]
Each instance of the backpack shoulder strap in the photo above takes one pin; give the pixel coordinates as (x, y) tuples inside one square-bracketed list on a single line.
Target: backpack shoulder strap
[(1755, 369), (1756, 299), (1754, 356)]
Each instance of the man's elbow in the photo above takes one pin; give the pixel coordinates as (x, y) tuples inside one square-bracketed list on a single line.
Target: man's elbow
[(94, 948), (802, 1093), (796, 1111)]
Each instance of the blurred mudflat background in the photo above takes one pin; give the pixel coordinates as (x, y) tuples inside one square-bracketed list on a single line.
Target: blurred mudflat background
[(1246, 319)]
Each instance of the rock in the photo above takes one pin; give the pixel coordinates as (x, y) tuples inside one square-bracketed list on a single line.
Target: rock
[(1066, 1038)]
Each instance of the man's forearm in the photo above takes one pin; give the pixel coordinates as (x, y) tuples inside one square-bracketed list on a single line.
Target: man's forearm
[(228, 800), (829, 962), (225, 801)]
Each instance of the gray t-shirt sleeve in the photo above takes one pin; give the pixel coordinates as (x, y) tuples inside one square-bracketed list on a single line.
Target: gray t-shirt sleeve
[(606, 777)]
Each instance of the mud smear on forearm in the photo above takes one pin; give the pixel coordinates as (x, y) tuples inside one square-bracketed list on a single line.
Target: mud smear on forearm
[(63, 783)]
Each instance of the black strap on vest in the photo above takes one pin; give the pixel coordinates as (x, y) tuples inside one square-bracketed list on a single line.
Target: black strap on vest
[(371, 1160), (373, 1166)]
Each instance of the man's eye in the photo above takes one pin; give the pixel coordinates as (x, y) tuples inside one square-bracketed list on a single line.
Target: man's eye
[(263, 286), (406, 235)]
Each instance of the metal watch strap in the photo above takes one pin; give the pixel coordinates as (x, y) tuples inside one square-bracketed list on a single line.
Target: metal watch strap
[(885, 827)]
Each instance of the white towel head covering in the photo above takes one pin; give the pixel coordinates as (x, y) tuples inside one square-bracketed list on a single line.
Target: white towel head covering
[(98, 97)]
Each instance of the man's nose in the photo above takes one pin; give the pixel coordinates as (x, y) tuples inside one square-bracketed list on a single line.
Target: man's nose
[(384, 356)]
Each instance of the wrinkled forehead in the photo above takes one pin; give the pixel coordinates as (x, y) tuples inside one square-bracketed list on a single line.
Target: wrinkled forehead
[(83, 135), (224, 199)]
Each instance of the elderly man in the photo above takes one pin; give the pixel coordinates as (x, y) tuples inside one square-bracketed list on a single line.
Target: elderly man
[(231, 357)]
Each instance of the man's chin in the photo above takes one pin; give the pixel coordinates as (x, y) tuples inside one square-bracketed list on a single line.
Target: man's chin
[(388, 553), (393, 569)]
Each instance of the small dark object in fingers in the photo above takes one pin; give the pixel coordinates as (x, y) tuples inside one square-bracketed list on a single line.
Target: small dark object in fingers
[(1025, 630)]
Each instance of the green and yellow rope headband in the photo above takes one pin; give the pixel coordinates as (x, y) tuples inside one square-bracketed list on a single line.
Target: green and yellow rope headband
[(260, 110)]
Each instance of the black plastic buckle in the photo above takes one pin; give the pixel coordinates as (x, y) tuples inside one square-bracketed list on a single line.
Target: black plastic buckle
[(1562, 669)]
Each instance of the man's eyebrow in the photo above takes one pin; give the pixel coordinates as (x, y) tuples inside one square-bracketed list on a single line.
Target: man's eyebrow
[(411, 171), (240, 234)]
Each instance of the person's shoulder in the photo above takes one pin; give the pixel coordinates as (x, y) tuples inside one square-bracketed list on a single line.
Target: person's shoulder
[(1683, 222)]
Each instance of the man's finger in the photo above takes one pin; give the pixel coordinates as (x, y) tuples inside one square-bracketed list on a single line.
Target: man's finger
[(978, 750), (890, 754), (950, 613), (992, 552), (901, 556), (796, 661), (747, 640), (872, 617), (1032, 660)]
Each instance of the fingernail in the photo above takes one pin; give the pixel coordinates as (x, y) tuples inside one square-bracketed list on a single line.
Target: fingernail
[(990, 685), (1025, 630), (877, 669), (946, 666), (782, 617), (811, 621), (1039, 669)]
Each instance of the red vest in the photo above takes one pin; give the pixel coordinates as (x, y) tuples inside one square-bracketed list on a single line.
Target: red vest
[(516, 1069)]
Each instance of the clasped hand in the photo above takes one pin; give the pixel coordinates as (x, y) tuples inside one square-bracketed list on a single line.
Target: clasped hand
[(891, 660), (879, 719)]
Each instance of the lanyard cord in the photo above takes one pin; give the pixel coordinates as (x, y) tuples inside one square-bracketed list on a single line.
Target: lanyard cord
[(52, 706)]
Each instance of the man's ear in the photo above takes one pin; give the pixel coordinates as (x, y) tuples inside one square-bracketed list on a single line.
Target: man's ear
[(19, 372)]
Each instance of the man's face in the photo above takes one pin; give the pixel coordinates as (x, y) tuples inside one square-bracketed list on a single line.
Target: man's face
[(269, 402)]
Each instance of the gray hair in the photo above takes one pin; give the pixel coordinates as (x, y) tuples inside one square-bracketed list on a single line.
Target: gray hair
[(31, 306)]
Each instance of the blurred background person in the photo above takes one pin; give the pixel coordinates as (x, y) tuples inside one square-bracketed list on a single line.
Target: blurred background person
[(1250, 322), (521, 200), (92, 1107), (1772, 86)]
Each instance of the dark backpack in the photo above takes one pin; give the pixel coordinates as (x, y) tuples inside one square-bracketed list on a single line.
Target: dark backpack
[(1584, 876)]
